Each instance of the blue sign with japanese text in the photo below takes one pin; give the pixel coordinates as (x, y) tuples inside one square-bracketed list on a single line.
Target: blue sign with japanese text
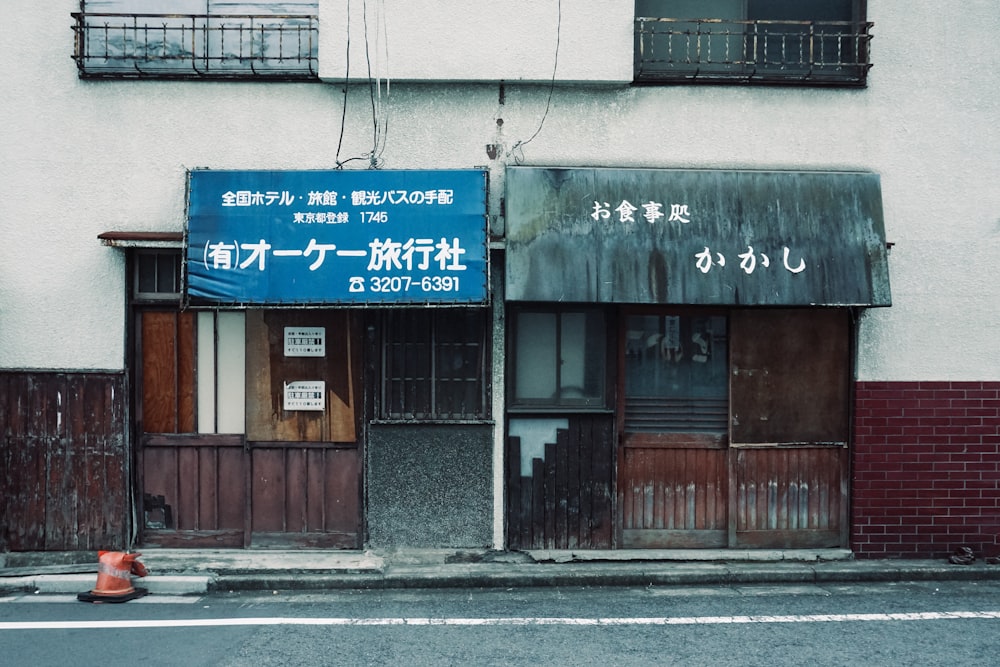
[(336, 237)]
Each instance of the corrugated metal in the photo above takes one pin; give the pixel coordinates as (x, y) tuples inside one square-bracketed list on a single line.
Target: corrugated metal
[(750, 237)]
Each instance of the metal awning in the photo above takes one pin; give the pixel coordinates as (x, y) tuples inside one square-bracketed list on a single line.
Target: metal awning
[(704, 237), (125, 239)]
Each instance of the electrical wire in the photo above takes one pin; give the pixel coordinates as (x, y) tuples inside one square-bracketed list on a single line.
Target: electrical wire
[(517, 149), (380, 122)]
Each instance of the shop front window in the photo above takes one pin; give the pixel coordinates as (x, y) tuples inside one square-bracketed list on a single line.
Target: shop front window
[(559, 358), (676, 378)]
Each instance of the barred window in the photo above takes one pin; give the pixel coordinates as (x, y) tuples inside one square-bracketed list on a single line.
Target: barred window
[(434, 364)]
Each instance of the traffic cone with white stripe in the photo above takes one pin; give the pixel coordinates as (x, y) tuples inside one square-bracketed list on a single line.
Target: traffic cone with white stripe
[(114, 578)]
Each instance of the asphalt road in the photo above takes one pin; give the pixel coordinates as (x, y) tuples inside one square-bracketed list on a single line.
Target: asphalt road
[(926, 623)]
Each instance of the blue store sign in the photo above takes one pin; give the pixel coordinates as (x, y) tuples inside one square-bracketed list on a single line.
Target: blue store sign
[(336, 237)]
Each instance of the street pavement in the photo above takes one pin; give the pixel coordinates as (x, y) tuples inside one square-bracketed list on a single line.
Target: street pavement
[(198, 571)]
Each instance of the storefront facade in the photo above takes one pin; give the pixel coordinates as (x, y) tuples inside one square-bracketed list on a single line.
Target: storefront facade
[(680, 333), (682, 350)]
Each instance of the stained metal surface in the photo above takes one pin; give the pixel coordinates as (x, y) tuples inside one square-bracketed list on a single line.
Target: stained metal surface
[(750, 237)]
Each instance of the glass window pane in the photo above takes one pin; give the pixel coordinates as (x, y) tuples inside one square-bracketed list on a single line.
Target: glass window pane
[(582, 371), (535, 370), (676, 373)]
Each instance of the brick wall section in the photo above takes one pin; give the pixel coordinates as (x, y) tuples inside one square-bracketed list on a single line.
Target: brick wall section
[(926, 469)]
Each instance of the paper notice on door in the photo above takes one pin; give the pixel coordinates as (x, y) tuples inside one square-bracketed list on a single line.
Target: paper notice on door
[(305, 395)]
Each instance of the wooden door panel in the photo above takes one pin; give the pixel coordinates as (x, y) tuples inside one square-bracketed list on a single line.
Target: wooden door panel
[(268, 369), (673, 497), (306, 496), (193, 490), (791, 497), (167, 366)]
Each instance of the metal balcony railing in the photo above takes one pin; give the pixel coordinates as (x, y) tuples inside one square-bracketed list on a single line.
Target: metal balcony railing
[(196, 46), (671, 50)]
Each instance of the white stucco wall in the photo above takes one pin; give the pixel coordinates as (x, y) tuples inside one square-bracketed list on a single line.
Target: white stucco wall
[(81, 157), (477, 40)]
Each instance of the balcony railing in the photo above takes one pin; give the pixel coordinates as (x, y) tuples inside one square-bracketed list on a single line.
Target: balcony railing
[(196, 46), (720, 50)]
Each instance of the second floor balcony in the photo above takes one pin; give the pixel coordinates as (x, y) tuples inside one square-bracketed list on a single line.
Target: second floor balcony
[(197, 46), (671, 50)]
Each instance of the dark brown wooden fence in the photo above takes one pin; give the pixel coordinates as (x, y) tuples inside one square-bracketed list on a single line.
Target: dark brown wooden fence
[(63, 466), (566, 503)]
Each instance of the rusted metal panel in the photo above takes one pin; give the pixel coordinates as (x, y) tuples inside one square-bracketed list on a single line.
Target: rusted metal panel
[(63, 467), (711, 237), (566, 501), (790, 375)]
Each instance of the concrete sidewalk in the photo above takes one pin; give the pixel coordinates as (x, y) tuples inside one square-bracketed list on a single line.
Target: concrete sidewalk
[(198, 571)]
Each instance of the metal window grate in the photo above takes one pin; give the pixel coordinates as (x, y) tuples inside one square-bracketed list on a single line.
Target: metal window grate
[(196, 46), (670, 50), (434, 364)]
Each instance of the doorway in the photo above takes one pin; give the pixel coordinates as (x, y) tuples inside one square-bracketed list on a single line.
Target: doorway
[(249, 428), (733, 428)]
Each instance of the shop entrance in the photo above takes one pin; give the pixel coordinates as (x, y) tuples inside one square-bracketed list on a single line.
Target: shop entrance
[(733, 429), (249, 428), (678, 428), (673, 416)]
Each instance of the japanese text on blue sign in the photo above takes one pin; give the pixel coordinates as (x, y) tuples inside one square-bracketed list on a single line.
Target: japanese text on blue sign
[(282, 237)]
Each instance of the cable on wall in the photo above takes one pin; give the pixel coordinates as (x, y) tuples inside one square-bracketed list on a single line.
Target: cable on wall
[(516, 150), (380, 118), (380, 121)]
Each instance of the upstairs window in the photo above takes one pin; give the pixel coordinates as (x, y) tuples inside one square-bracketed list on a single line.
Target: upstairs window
[(805, 42), (197, 39), (157, 275)]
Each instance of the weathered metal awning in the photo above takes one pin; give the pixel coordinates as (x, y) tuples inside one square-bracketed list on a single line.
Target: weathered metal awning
[(706, 237)]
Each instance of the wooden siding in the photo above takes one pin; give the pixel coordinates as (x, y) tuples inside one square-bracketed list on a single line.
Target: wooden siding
[(673, 497), (566, 503), (193, 485), (63, 467), (791, 497)]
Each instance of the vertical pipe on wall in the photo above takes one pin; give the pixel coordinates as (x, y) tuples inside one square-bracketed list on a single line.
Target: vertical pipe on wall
[(498, 396)]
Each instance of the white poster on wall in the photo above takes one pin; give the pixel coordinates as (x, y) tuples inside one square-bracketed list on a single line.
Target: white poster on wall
[(305, 395), (305, 341)]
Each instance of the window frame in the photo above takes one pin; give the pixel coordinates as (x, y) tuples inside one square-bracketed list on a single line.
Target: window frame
[(436, 320), (602, 403), (138, 257)]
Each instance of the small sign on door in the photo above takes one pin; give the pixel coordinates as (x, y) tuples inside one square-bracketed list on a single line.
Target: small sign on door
[(305, 341), (305, 395)]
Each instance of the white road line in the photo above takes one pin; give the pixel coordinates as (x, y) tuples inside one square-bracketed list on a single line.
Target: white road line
[(510, 621)]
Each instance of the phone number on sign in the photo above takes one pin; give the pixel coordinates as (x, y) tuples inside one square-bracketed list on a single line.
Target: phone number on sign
[(406, 283)]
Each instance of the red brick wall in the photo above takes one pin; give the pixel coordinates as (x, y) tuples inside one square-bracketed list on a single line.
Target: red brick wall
[(926, 469)]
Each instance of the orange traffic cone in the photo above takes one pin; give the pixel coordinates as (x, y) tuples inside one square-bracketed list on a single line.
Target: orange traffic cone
[(114, 578)]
